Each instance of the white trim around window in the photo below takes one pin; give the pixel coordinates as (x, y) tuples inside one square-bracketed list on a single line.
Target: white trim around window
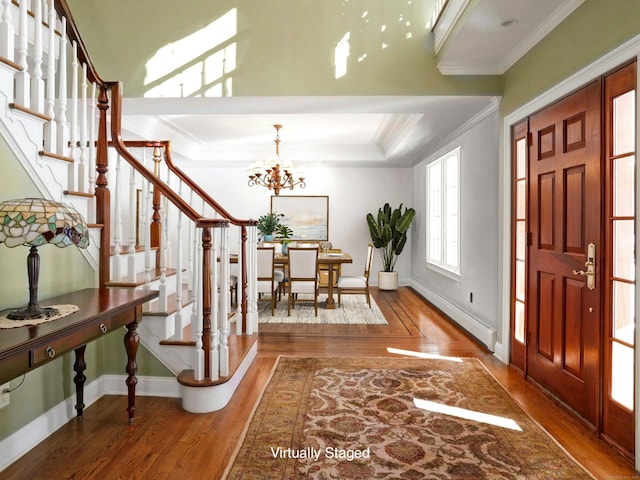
[(443, 214)]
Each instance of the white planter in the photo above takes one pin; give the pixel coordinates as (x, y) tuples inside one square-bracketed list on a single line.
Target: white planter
[(388, 280)]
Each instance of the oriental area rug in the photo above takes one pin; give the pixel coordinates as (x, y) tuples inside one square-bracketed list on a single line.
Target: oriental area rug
[(353, 310), (393, 418)]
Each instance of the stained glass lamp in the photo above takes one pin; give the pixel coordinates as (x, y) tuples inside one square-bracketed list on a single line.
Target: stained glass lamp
[(34, 222)]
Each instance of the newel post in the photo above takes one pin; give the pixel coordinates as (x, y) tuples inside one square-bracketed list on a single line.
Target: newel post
[(206, 299), (103, 196)]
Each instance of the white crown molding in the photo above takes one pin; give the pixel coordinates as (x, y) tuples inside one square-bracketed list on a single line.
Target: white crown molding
[(394, 130), (469, 124), (448, 20)]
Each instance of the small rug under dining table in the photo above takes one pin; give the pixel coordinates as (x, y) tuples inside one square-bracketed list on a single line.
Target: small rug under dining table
[(393, 418), (353, 310)]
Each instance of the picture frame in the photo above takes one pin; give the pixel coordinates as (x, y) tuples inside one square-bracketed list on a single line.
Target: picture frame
[(306, 215)]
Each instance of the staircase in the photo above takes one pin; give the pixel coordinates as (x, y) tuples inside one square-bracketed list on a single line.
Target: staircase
[(152, 227)]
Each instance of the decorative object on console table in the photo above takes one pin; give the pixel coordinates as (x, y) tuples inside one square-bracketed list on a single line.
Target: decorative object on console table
[(34, 222), (268, 224), (284, 234), (275, 174), (389, 234)]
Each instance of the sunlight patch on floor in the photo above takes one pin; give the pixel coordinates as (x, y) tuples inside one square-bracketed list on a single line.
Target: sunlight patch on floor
[(467, 414), (433, 356)]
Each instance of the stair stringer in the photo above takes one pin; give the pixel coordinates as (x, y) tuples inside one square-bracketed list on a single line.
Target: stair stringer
[(155, 328), (23, 134)]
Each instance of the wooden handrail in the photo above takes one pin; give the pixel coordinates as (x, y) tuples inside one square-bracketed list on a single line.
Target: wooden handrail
[(62, 9), (203, 194), (159, 184)]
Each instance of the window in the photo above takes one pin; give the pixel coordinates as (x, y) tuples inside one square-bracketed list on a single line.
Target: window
[(443, 213)]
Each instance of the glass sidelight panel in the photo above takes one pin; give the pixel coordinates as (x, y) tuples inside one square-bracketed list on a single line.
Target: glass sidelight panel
[(624, 312), (621, 375), (623, 187), (623, 250), (624, 123)]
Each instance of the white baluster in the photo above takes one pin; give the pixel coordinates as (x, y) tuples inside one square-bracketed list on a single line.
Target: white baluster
[(162, 289), (131, 254), (196, 321), (73, 128), (190, 250), (117, 222), (61, 112), (224, 302), (84, 153), (195, 293), (178, 314), (7, 32), (50, 126), (23, 77), (214, 358), (252, 307), (37, 82), (241, 260)]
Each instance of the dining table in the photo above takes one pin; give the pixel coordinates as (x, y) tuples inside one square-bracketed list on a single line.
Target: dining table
[(328, 259)]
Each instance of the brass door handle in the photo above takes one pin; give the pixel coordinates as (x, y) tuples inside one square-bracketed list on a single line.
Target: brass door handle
[(590, 273)]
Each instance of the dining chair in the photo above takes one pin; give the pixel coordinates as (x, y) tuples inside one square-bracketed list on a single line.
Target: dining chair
[(303, 275), (357, 283), (266, 280)]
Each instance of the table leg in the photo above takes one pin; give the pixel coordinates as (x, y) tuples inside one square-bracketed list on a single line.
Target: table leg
[(79, 367), (131, 343), (331, 304)]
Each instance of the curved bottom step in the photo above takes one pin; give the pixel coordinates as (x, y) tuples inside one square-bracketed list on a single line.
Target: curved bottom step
[(206, 399)]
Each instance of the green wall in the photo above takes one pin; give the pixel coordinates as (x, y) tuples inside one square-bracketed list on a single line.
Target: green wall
[(62, 270), (595, 28), (279, 47)]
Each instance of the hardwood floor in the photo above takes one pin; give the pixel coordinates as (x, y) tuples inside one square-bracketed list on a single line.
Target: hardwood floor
[(168, 443)]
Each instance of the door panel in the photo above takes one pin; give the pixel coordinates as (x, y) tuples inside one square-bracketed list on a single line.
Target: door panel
[(563, 353)]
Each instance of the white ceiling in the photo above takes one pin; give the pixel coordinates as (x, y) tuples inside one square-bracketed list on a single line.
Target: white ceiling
[(387, 131), (494, 34)]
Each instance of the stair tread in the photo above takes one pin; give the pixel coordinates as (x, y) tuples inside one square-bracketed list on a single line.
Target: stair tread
[(152, 308), (64, 158), (28, 111), (124, 249), (239, 346), (141, 278), (78, 194), (11, 64)]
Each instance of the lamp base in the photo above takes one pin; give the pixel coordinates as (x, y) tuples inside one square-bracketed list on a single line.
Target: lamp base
[(32, 311)]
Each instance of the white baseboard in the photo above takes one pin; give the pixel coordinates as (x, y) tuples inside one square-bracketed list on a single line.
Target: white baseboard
[(465, 319), (23, 440)]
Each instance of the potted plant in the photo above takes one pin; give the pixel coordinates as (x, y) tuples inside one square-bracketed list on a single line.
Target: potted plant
[(284, 233), (388, 232), (268, 223)]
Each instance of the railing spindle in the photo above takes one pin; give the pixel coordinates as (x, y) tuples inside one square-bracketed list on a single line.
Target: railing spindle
[(50, 126), (61, 103), (23, 77), (37, 82)]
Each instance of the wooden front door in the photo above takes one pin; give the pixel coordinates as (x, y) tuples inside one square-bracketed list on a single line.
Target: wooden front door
[(564, 305)]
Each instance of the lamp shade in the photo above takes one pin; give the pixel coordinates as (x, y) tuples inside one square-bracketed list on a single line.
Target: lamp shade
[(36, 222)]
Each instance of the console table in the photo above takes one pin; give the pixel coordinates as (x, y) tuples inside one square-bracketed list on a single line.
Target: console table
[(23, 349)]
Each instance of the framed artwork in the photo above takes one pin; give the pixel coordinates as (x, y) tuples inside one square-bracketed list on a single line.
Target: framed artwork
[(307, 216)]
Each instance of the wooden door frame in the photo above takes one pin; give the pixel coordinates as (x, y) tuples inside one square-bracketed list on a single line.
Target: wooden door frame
[(621, 55)]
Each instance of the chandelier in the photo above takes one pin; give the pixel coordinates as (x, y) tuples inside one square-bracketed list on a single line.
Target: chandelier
[(273, 173)]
